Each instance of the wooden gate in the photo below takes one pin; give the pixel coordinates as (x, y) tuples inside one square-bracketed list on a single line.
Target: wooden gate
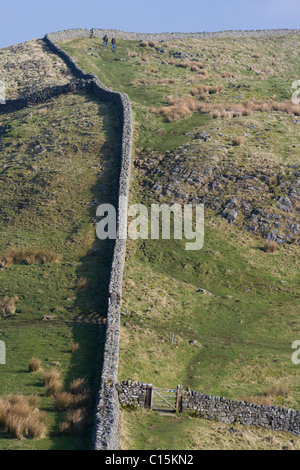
[(164, 400)]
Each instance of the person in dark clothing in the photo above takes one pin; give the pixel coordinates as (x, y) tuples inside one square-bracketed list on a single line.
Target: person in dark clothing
[(113, 44), (105, 40)]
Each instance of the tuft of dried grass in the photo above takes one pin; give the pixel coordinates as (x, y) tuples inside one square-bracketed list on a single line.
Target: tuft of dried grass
[(20, 418), (74, 347), (183, 65), (83, 398), (204, 90), (75, 422), (52, 374), (181, 107), (132, 53), (54, 387), (52, 382), (264, 400), (78, 385), (159, 81), (34, 364), (63, 400), (270, 246), (8, 305), (81, 283), (228, 75), (278, 389), (27, 255), (64, 427), (239, 140)]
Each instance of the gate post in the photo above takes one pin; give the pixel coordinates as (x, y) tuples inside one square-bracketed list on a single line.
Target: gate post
[(178, 399), (149, 396)]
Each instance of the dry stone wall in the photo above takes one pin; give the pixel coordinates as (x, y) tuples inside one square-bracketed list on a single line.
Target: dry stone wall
[(167, 36), (106, 430), (136, 394), (230, 411), (99, 33), (41, 96)]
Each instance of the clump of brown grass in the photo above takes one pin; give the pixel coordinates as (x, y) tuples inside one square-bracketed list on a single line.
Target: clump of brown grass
[(54, 387), (152, 44), (63, 400), (34, 364), (183, 65), (8, 305), (228, 75), (154, 70), (75, 422), (33, 401), (132, 54), (20, 417), (143, 44), (52, 374), (264, 400), (135, 82), (42, 111), (83, 398), (203, 90), (181, 107), (78, 385), (159, 81), (270, 246), (178, 108), (52, 382), (81, 283), (278, 389), (216, 114), (23, 255), (82, 395), (201, 75), (74, 347), (239, 140)]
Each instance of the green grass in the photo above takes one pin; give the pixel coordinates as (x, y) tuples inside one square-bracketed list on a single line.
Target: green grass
[(51, 343), (245, 329), (59, 161), (146, 430)]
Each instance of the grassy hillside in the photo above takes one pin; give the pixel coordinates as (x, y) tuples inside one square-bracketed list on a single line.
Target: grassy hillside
[(58, 161), (191, 100), (29, 66), (147, 430)]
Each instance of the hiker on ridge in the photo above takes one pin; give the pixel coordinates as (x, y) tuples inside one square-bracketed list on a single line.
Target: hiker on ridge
[(113, 44), (105, 40)]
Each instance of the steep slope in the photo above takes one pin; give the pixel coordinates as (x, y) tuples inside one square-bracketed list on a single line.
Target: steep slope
[(214, 124), (59, 160)]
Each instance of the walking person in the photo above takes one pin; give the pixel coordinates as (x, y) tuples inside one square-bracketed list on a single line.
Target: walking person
[(113, 44), (105, 40)]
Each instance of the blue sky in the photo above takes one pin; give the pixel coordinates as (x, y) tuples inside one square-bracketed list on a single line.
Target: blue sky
[(21, 20)]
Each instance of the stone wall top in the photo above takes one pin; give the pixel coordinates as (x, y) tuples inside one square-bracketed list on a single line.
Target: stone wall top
[(167, 36)]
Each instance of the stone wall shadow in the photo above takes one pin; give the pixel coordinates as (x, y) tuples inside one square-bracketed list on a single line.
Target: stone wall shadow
[(90, 304)]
